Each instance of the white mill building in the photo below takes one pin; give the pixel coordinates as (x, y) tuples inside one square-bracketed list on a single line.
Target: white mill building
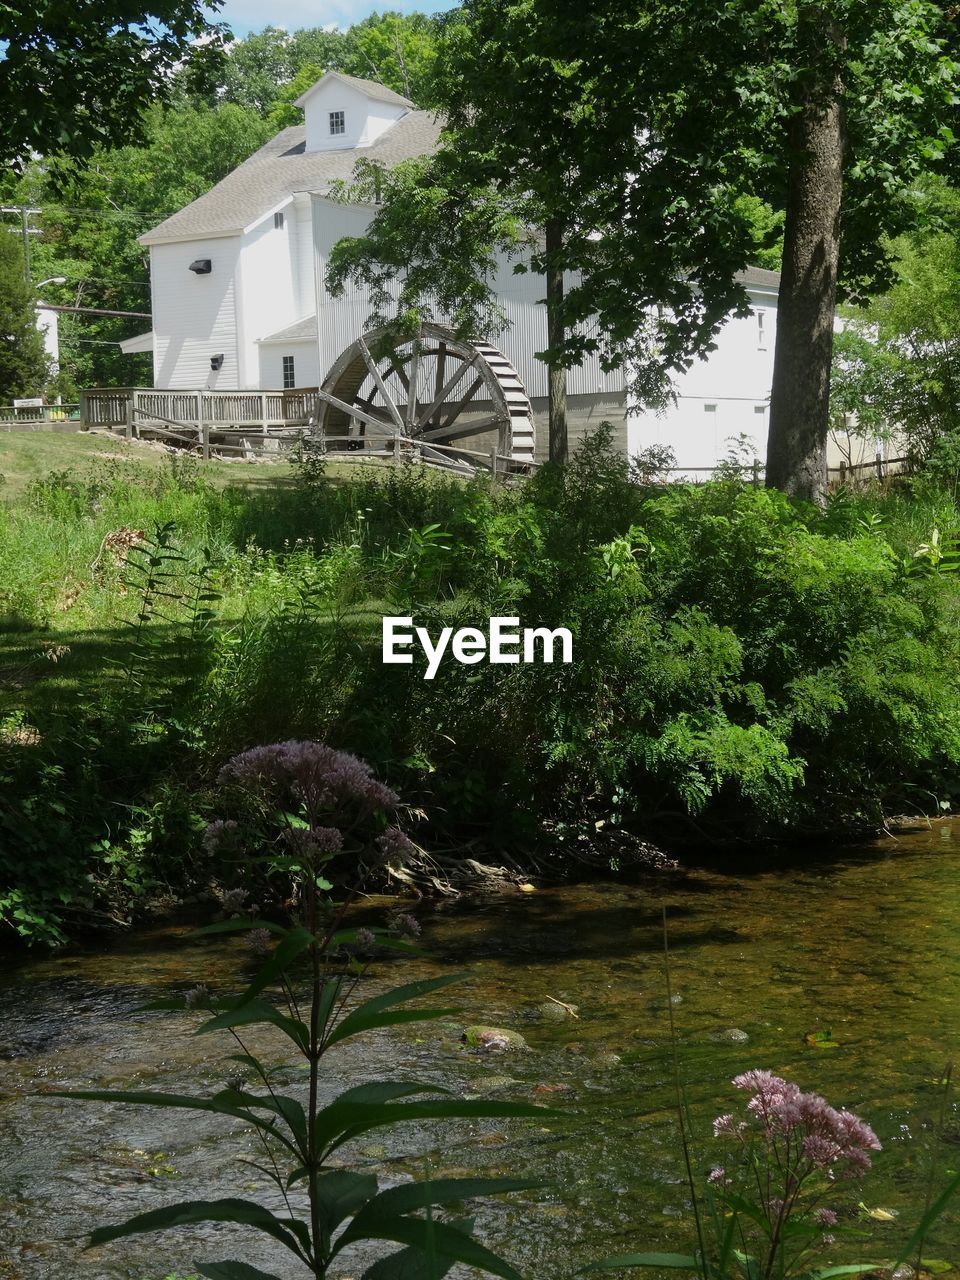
[(238, 298)]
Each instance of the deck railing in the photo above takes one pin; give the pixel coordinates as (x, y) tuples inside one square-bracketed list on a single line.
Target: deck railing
[(132, 408)]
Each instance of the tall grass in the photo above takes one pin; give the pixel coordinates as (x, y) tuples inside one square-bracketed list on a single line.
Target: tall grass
[(743, 666)]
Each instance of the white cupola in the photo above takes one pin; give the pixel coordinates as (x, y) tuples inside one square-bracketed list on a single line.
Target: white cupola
[(343, 113)]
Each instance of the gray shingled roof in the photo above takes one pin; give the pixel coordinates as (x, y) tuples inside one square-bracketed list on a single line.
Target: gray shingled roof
[(283, 166), (759, 276), (372, 88), (298, 331)]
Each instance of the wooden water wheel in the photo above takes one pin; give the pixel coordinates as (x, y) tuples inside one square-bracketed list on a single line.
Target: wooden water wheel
[(454, 402)]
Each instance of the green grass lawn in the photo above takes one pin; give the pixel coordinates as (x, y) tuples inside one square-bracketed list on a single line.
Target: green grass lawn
[(29, 455)]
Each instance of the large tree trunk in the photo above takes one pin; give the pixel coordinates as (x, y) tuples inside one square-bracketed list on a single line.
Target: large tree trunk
[(556, 373), (800, 399)]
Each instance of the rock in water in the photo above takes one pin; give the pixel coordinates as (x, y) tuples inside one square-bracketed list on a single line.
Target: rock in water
[(494, 1040)]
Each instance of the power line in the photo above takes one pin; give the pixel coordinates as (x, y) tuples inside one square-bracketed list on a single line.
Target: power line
[(95, 311)]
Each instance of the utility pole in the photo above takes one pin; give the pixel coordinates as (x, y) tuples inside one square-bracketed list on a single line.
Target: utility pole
[(26, 231)]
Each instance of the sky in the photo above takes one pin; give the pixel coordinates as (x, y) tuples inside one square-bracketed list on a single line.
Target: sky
[(244, 16)]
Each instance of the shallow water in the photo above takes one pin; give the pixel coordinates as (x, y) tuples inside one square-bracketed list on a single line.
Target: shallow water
[(865, 947)]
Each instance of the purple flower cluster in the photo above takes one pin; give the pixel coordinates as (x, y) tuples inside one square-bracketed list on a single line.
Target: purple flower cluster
[(309, 841), (394, 847), (325, 780), (232, 900), (406, 926), (833, 1142), (258, 941), (222, 837)]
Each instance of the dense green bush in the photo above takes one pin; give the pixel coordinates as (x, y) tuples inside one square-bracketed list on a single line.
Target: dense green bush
[(743, 665)]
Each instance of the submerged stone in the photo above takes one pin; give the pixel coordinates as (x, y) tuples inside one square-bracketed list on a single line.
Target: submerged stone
[(554, 1011), (494, 1040)]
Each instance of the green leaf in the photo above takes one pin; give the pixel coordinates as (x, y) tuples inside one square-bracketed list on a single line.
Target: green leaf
[(340, 1193), (233, 1271), (289, 1232), (237, 926), (416, 1264), (222, 1103), (925, 1223), (855, 1269), (286, 951), (325, 1004), (434, 1238), (337, 1127), (668, 1261), (288, 1109), (422, 1195), (821, 1040), (348, 1106), (373, 1013), (255, 1011)]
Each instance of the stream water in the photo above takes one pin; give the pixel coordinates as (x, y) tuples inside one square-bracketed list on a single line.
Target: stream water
[(865, 947)]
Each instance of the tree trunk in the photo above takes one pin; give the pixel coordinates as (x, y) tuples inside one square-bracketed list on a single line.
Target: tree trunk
[(556, 374), (800, 399)]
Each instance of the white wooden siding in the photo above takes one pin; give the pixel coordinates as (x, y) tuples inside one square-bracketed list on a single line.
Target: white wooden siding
[(364, 120), (195, 317), (268, 290), (304, 284), (720, 398), (306, 363), (342, 320)]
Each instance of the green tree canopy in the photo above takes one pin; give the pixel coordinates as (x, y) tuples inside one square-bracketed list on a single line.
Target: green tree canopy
[(92, 213), (75, 75), (23, 362), (897, 363), (637, 129)]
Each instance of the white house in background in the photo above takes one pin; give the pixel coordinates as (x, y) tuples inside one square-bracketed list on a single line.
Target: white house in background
[(238, 296)]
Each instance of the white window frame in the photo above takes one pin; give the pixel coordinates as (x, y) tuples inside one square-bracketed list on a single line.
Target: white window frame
[(338, 123), (288, 367)]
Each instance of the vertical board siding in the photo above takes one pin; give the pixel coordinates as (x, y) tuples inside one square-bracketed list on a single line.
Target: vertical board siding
[(268, 288), (719, 399), (306, 362), (343, 319), (195, 317)]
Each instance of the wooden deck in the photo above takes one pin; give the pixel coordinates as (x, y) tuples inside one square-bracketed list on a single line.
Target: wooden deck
[(249, 422), (225, 420)]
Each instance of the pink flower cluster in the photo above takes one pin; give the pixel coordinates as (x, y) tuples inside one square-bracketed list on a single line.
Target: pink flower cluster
[(830, 1141), (324, 779)]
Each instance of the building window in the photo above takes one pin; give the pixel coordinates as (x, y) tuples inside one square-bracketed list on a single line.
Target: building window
[(337, 122), (709, 408), (289, 377), (761, 332), (278, 221), (759, 408)]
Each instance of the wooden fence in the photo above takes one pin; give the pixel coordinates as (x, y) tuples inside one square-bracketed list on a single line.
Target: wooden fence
[(47, 417), (242, 422)]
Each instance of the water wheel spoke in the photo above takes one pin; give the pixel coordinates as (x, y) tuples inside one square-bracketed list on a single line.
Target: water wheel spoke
[(441, 368), (460, 431), (458, 406), (435, 392), (371, 364), (397, 368), (351, 410), (412, 388), (444, 393)]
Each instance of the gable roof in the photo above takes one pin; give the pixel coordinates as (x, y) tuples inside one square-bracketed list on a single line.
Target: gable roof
[(283, 166), (299, 331), (759, 278), (372, 89)]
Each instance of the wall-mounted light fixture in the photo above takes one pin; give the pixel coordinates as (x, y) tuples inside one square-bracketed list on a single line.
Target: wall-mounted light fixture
[(201, 266), (216, 363)]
